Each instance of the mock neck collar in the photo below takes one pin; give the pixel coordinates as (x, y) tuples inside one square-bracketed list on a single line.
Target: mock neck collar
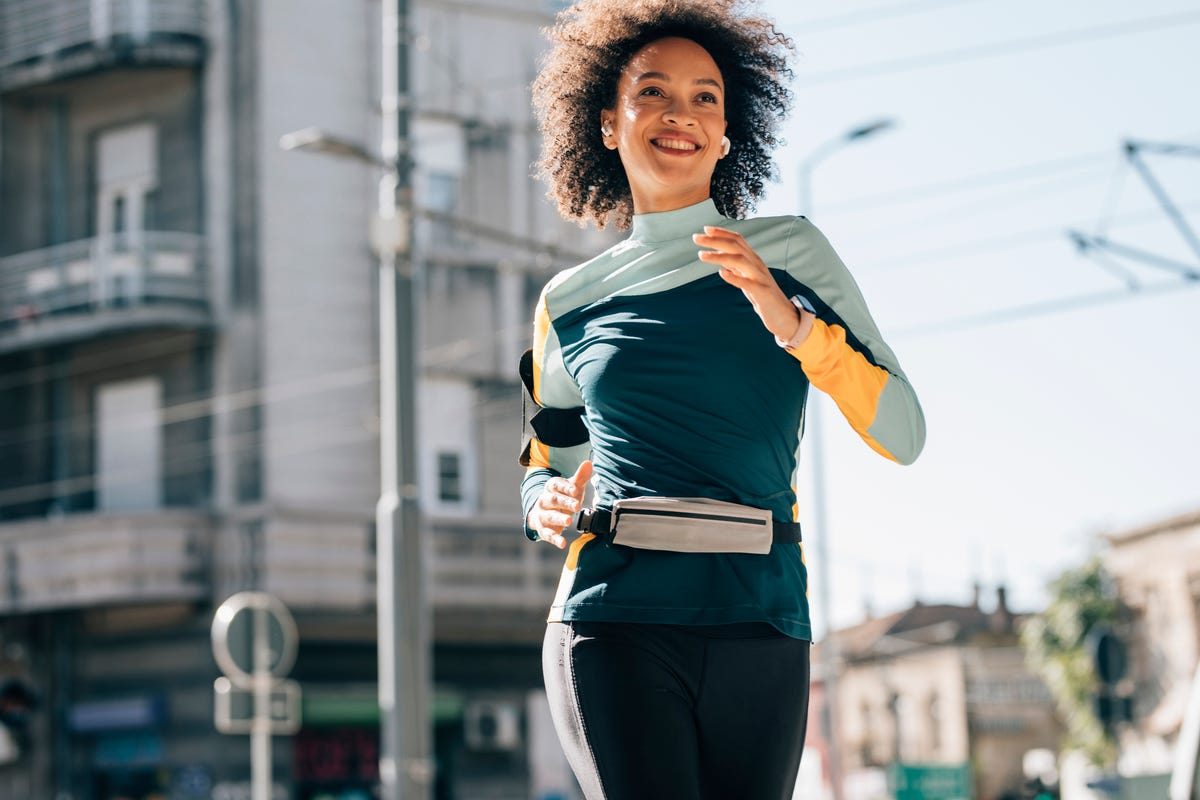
[(662, 226)]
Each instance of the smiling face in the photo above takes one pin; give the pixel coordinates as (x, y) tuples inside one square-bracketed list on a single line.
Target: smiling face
[(667, 124)]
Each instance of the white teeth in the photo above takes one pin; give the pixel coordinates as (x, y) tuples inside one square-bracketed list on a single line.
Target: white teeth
[(675, 144)]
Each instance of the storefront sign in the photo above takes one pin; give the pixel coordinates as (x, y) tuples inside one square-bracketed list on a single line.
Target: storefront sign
[(930, 782)]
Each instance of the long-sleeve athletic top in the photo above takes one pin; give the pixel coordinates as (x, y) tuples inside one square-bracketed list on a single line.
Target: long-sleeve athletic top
[(685, 393)]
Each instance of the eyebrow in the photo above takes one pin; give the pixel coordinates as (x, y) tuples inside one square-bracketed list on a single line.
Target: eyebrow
[(659, 76)]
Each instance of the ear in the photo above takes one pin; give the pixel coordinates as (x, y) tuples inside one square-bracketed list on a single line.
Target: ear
[(607, 118)]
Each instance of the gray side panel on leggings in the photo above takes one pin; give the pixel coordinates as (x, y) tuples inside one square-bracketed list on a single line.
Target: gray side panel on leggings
[(559, 673)]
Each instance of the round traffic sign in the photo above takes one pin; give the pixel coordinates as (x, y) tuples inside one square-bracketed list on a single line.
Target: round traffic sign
[(253, 635)]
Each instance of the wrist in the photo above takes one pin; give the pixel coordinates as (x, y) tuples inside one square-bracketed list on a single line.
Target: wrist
[(805, 319)]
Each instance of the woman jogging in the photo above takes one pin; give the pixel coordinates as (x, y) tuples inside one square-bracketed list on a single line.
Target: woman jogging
[(672, 372)]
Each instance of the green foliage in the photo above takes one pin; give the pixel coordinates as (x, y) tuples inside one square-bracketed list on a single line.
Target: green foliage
[(1055, 644)]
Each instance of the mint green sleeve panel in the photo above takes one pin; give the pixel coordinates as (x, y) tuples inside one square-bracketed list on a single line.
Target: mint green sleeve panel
[(556, 389), (899, 422)]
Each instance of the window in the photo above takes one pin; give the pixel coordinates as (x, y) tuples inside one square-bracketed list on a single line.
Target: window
[(126, 175), (448, 447), (129, 446), (935, 724), (441, 195), (449, 478)]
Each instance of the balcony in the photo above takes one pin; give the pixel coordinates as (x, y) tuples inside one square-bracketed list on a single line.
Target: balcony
[(492, 566), (84, 288), (484, 581), (97, 559), (48, 40), (489, 582), (311, 560)]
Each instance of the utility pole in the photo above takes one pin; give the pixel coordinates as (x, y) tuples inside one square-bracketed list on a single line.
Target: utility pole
[(1100, 247), (405, 766)]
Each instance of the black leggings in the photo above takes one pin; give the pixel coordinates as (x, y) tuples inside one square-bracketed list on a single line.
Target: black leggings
[(678, 712)]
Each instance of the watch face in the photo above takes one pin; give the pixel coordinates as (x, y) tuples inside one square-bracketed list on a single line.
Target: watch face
[(801, 302)]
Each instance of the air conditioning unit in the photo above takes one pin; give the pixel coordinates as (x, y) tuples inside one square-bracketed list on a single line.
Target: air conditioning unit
[(492, 725)]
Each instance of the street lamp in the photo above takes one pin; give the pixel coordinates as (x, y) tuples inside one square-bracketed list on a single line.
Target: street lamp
[(401, 608), (315, 140), (816, 458)]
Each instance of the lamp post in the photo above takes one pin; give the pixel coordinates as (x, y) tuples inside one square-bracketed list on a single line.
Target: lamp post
[(405, 765), (816, 458)]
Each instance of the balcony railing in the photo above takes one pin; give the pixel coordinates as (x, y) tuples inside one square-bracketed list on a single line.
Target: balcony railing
[(327, 561), (491, 566), (90, 559), (33, 30), (149, 268)]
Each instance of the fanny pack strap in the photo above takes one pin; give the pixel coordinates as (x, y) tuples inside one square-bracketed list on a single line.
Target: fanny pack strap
[(598, 521)]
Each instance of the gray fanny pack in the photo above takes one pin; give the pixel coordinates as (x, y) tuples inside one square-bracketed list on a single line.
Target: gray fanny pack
[(690, 525)]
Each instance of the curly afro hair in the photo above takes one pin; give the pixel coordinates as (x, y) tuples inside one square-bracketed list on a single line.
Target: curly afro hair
[(593, 41)]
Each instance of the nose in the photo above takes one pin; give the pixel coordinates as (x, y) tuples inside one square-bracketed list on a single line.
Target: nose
[(678, 114)]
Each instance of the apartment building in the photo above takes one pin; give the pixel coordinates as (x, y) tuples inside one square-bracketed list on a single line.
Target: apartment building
[(189, 383), (937, 693), (1156, 568)]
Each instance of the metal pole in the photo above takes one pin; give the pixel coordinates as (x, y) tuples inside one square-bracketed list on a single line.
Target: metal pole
[(260, 726), (816, 457), (405, 769)]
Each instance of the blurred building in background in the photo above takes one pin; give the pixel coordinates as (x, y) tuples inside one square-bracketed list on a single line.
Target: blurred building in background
[(189, 382), (935, 701), (1157, 571)]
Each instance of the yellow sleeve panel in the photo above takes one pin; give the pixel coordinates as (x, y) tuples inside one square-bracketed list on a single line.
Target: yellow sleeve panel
[(539, 455), (844, 374)]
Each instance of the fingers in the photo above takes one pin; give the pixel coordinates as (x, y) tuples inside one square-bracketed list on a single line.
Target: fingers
[(731, 251), (722, 233), (552, 536), (581, 477), (560, 500), (722, 239), (722, 244), (549, 525), (735, 279)]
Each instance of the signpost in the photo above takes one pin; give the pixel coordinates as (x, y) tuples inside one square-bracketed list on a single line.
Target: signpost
[(254, 642), (930, 782)]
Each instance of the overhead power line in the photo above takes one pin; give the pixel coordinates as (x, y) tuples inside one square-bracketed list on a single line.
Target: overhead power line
[(1101, 247), (969, 183), (993, 244), (1189, 274), (869, 15), (997, 49), (291, 439), (1046, 308), (977, 181)]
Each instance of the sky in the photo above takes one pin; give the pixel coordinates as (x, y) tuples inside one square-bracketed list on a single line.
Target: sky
[(1049, 428)]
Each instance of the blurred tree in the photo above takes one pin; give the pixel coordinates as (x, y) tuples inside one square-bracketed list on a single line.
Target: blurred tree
[(1057, 647)]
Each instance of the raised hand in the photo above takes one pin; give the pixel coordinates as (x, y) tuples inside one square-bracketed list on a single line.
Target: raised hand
[(560, 500), (741, 267)]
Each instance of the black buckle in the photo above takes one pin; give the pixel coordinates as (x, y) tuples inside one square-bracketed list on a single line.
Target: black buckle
[(594, 520)]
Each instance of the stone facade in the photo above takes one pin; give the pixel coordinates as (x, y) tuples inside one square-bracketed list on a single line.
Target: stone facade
[(189, 408), (1157, 572), (938, 685)]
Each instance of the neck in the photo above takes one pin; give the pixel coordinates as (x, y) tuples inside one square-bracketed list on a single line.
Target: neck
[(669, 199)]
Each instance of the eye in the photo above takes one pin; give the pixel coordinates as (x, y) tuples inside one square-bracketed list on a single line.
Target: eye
[(707, 97), (651, 91)]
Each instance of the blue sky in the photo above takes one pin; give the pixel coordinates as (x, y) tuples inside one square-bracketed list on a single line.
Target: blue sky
[(1049, 429)]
